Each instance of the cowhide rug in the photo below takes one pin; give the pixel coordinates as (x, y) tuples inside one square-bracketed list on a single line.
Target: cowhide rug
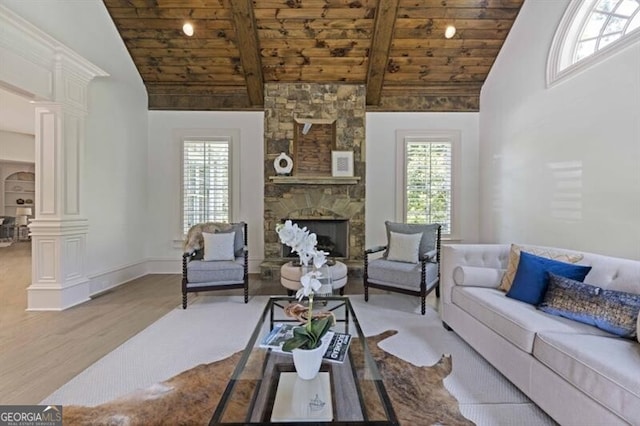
[(417, 393)]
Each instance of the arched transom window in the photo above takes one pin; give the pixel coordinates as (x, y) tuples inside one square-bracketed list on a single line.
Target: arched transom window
[(589, 31), (607, 21)]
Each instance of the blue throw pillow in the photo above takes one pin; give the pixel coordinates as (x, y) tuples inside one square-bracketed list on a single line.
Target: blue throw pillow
[(609, 310), (532, 276)]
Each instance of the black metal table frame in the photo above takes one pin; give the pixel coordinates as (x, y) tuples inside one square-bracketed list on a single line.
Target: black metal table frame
[(280, 301)]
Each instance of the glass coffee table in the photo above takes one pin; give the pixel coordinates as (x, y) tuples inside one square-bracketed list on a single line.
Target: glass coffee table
[(357, 393)]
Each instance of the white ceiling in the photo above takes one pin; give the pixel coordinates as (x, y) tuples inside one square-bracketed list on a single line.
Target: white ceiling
[(16, 113)]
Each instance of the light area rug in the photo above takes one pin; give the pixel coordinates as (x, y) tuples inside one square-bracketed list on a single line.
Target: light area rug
[(215, 327), (5, 244)]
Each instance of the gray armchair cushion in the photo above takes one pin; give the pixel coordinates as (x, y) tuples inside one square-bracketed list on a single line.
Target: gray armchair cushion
[(238, 245), (429, 234), (200, 273), (400, 274), (194, 240)]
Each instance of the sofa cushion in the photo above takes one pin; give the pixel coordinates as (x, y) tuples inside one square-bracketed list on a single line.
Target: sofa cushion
[(610, 310), (515, 321), (532, 276), (199, 272), (549, 253), (605, 368), (400, 274)]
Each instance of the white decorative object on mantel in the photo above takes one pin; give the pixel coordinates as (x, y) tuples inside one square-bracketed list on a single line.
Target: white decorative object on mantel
[(277, 164), (342, 163)]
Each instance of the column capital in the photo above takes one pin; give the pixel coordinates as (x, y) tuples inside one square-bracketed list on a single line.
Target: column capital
[(58, 226)]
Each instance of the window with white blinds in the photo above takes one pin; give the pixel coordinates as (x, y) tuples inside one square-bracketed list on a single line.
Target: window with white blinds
[(428, 181), (206, 186)]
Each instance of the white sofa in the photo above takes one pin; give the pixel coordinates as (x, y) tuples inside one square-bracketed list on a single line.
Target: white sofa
[(577, 373)]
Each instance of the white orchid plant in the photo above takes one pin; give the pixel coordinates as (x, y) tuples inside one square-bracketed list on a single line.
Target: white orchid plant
[(304, 244)]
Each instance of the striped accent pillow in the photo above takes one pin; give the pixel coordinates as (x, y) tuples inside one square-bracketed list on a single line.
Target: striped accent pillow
[(514, 259)]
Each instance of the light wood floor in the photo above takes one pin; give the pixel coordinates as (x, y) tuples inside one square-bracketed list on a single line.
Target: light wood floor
[(41, 351)]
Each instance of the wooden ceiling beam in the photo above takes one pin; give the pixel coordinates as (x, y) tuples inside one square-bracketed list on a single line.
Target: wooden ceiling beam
[(245, 23), (315, 4), (453, 4), (322, 12), (379, 51), (205, 97), (411, 102), (194, 89), (172, 4)]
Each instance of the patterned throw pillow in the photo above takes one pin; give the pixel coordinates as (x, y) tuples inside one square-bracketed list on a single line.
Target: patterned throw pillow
[(532, 276), (514, 259), (609, 310)]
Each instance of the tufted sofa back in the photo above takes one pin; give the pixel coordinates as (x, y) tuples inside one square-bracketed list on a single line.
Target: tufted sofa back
[(611, 273)]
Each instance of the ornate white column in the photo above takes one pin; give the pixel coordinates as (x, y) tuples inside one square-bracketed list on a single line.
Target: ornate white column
[(59, 231), (57, 78)]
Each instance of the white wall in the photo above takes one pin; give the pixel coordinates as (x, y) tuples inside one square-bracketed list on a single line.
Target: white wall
[(114, 179), (164, 203), (17, 114), (380, 202), (560, 166), (17, 147)]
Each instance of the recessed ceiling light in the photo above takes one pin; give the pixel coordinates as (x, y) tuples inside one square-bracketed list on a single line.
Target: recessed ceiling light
[(187, 28), (450, 31)]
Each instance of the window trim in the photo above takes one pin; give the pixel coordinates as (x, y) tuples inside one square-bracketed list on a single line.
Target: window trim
[(566, 38), (452, 136), (233, 138)]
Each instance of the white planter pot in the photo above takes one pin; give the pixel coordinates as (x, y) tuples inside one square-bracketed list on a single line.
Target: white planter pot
[(307, 362)]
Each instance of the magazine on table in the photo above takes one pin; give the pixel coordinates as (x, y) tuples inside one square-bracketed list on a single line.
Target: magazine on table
[(336, 344)]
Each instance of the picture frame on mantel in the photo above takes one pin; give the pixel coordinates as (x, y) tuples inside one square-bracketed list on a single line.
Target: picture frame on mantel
[(342, 163)]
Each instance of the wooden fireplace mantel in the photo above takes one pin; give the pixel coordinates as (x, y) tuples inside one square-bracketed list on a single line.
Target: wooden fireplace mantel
[(315, 180)]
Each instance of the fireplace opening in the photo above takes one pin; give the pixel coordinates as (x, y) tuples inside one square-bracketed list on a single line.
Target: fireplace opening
[(332, 236)]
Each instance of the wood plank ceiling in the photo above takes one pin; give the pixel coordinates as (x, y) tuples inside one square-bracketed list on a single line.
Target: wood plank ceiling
[(396, 47)]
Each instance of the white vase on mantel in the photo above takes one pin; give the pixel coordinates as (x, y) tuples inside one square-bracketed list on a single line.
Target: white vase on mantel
[(307, 362), (283, 169)]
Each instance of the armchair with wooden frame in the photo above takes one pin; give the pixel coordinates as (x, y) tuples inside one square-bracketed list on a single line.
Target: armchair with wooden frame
[(222, 265), (418, 275)]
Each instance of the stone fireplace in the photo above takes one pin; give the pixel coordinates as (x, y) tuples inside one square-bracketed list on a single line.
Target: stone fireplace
[(336, 114)]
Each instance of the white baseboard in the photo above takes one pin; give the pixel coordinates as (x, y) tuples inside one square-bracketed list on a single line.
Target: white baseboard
[(46, 298), (104, 281), (107, 280)]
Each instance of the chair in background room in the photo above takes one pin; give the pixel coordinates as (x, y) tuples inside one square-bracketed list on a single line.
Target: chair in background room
[(215, 257), (410, 263), (7, 227)]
